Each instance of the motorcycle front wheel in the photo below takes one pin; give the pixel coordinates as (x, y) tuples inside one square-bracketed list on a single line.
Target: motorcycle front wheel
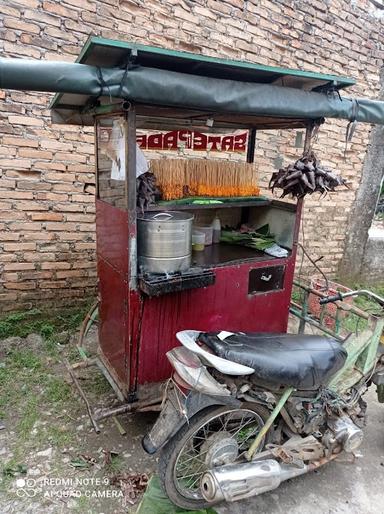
[(213, 437)]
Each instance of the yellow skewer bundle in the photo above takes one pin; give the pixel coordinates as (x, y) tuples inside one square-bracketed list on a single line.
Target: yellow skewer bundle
[(180, 178)]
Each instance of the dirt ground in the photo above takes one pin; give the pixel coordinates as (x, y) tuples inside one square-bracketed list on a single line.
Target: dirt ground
[(52, 461)]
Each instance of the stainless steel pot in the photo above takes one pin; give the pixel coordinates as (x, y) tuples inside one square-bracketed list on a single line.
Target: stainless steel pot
[(164, 241)]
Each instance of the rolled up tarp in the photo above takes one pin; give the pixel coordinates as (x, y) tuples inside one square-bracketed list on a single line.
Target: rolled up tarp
[(155, 86)]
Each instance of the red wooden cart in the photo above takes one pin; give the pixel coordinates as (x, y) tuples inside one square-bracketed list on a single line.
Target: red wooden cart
[(248, 290)]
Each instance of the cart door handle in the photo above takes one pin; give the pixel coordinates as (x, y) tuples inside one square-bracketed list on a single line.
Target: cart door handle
[(266, 278)]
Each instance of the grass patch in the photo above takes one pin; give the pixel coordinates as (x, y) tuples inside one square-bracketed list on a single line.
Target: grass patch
[(45, 323), (10, 469), (115, 465), (29, 417), (27, 379), (58, 436), (57, 391), (97, 383)]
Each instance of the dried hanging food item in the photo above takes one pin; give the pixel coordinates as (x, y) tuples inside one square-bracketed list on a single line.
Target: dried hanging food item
[(147, 191), (183, 178), (305, 176)]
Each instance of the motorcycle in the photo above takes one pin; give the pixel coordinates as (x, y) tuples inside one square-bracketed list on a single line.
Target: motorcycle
[(244, 412)]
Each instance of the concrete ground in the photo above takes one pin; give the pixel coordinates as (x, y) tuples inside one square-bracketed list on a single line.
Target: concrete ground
[(338, 487)]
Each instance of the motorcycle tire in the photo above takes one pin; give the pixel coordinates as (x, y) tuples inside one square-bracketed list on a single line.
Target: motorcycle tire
[(170, 452)]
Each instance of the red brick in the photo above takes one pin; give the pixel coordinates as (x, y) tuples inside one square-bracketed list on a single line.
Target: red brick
[(44, 165), (9, 236), (20, 141), (61, 226), (36, 257), (68, 207), (34, 154), (83, 198), (60, 177), (55, 265), (51, 284), (14, 163), (32, 206), (86, 218), (70, 273), (16, 195), (46, 216), (55, 197), (40, 236), (25, 120), (21, 25), (12, 215), (19, 247), (20, 285), (25, 227), (19, 266)]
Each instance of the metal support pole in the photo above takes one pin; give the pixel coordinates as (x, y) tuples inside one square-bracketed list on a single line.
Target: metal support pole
[(131, 196), (251, 145), (280, 404), (308, 136)]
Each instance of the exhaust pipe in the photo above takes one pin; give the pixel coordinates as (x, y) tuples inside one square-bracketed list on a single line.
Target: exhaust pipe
[(240, 481)]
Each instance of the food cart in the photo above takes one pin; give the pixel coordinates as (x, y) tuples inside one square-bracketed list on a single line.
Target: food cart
[(122, 88)]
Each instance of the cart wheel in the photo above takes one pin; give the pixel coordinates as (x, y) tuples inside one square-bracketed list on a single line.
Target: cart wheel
[(213, 437)]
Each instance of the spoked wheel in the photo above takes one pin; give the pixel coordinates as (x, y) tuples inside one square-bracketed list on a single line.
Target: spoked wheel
[(214, 437)]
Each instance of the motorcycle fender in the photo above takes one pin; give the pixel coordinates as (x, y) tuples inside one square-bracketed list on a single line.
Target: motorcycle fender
[(176, 412)]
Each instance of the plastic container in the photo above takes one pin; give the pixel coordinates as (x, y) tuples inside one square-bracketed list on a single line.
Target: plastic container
[(207, 231), (198, 241), (216, 226)]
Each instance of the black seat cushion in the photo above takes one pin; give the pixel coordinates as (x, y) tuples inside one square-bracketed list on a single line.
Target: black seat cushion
[(300, 361)]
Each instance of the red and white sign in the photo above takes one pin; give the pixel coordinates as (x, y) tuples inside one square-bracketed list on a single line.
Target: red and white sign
[(193, 140)]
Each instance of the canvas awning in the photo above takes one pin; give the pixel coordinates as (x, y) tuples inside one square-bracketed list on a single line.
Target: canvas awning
[(186, 87)]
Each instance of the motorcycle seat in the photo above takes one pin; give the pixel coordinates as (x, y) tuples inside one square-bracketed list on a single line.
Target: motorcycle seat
[(297, 360)]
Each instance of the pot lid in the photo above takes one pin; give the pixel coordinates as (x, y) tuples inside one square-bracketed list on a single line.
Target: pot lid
[(166, 217)]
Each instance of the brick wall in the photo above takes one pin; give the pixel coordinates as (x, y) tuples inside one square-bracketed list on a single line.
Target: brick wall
[(47, 240)]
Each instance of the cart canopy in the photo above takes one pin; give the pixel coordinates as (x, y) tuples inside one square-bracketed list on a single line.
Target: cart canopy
[(185, 87)]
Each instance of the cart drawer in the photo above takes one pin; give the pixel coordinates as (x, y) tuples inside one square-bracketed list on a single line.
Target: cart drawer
[(262, 280)]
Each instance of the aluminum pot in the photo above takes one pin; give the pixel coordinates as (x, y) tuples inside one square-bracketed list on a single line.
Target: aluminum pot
[(164, 241)]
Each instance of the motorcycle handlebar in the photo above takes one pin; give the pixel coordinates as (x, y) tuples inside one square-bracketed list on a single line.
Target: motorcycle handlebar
[(330, 299), (360, 292)]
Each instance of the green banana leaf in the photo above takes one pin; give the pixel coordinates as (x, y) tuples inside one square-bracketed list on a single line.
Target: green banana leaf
[(257, 240), (156, 502)]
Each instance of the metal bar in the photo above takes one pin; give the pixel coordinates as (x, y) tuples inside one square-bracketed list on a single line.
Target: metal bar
[(82, 394), (373, 346), (347, 307), (280, 404), (96, 146), (304, 314), (251, 145), (337, 320), (316, 324), (131, 196), (322, 314), (129, 407)]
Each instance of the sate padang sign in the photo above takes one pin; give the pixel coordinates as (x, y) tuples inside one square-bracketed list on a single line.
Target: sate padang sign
[(193, 140)]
